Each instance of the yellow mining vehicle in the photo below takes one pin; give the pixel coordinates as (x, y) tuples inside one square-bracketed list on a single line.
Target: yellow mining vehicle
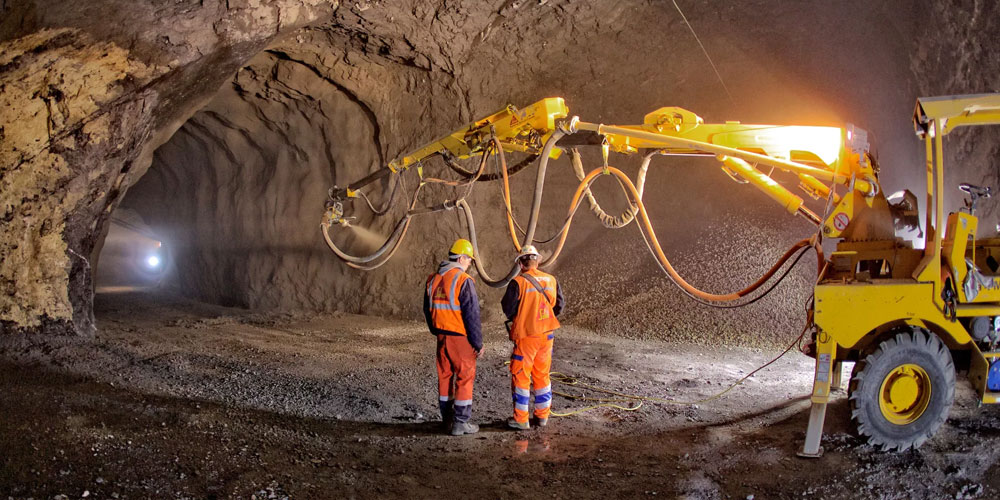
[(906, 316)]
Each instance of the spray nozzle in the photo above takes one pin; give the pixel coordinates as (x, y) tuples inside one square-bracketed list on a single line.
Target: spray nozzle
[(335, 215)]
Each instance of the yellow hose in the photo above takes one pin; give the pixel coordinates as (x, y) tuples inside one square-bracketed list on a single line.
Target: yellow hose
[(506, 193), (658, 251)]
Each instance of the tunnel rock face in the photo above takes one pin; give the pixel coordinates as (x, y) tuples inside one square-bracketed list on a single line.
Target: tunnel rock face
[(235, 188), (239, 190), (56, 138), (335, 102), (89, 89)]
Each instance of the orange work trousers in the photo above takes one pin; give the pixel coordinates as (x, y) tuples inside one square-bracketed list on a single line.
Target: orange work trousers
[(456, 367), (529, 368)]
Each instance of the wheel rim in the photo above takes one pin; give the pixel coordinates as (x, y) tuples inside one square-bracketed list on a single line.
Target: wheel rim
[(905, 394)]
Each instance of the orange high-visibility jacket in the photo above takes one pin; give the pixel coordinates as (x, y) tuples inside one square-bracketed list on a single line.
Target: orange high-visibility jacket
[(443, 290), (535, 317)]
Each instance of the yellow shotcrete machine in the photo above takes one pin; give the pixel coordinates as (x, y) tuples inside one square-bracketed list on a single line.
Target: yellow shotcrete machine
[(908, 317)]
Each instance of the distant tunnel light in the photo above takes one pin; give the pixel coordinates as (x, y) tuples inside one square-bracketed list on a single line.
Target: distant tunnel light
[(153, 261)]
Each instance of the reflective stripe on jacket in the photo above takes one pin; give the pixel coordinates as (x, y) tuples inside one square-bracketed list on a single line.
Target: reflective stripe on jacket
[(535, 317), (442, 293)]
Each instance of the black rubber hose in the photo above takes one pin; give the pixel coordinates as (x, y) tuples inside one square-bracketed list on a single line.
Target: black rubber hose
[(388, 202), (391, 243), (480, 267), (489, 177), (763, 294)]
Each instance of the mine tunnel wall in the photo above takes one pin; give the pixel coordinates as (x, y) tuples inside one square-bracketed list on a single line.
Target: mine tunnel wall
[(89, 90), (239, 189)]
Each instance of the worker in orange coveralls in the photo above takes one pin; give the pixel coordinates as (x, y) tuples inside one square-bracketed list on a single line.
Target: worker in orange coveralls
[(451, 308), (531, 304)]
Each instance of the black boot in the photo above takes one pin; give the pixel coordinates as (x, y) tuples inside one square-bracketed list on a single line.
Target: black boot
[(447, 414)]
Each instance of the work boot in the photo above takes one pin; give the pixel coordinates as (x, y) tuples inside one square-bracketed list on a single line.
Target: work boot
[(514, 424), (447, 415), (460, 428), (542, 422)]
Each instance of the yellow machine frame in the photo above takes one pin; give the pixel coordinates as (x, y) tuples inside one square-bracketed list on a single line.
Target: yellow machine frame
[(850, 313)]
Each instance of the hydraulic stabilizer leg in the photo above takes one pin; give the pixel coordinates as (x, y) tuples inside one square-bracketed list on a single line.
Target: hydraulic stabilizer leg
[(826, 351)]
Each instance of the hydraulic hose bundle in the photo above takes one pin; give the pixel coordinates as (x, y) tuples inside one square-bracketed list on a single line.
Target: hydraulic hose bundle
[(668, 131), (636, 210)]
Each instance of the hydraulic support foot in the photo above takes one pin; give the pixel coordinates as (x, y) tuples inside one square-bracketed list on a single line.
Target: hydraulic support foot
[(826, 351)]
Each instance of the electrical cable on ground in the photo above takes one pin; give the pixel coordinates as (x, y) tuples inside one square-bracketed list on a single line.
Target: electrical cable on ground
[(637, 400)]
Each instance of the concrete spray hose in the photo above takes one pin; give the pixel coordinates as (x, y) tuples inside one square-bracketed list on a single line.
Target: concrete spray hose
[(629, 214), (362, 262), (536, 203), (655, 244), (515, 269), (394, 240), (391, 243), (607, 220), (636, 206)]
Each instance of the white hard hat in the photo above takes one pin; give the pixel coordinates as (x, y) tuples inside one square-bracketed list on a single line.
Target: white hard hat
[(528, 250)]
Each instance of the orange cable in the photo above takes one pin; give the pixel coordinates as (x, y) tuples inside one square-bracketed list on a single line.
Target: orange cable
[(658, 251)]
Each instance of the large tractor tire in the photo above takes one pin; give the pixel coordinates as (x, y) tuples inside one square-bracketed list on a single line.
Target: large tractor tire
[(900, 394)]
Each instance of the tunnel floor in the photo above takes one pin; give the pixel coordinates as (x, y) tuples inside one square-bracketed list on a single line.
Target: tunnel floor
[(176, 399)]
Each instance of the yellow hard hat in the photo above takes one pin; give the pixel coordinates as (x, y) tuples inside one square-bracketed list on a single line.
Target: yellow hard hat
[(462, 247)]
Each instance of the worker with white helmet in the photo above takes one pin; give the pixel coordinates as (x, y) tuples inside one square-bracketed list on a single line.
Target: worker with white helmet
[(451, 308), (531, 304)]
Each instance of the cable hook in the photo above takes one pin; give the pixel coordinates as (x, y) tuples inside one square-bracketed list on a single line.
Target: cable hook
[(605, 148)]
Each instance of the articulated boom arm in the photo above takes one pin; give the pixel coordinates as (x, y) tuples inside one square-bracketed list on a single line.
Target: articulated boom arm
[(524, 130), (821, 157), (817, 155)]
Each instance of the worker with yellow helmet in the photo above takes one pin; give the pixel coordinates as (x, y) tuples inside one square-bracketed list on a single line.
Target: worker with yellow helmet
[(451, 308)]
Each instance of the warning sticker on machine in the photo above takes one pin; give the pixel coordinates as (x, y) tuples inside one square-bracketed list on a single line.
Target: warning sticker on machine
[(840, 221), (823, 368)]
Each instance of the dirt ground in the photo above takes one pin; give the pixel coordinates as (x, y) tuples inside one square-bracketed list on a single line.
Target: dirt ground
[(175, 399)]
